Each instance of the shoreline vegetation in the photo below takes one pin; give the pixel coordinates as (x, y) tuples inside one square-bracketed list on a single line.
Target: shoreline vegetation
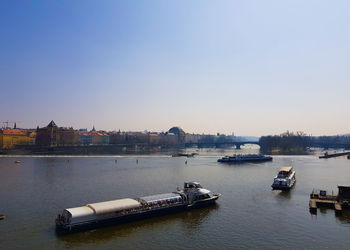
[(299, 143), (288, 143)]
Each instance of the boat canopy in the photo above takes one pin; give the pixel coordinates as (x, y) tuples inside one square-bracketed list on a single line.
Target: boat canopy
[(285, 169), (114, 206), (160, 197)]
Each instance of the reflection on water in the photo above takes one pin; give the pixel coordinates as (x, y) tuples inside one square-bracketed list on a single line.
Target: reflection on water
[(284, 194), (344, 218), (188, 221)]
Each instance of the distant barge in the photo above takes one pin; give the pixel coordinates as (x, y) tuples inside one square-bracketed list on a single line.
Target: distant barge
[(186, 155), (245, 158), (123, 210), (326, 155), (323, 199)]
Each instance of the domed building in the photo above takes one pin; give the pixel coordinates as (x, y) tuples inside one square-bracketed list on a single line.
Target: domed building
[(178, 131)]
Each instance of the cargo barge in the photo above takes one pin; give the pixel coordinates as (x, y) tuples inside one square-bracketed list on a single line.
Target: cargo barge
[(93, 215), (245, 158), (326, 155)]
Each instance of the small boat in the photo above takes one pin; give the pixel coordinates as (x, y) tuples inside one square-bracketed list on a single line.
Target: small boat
[(245, 158), (284, 180), (2, 216), (17, 161), (186, 155), (93, 215), (348, 156)]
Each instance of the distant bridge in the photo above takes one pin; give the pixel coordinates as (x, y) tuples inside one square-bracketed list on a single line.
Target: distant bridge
[(237, 144)]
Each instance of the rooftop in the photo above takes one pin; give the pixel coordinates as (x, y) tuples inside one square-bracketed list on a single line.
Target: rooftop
[(52, 124), (12, 132)]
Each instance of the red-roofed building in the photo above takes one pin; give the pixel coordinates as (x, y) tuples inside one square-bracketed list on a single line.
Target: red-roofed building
[(9, 138), (99, 138)]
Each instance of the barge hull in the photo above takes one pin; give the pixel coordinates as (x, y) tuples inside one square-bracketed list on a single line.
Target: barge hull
[(61, 228)]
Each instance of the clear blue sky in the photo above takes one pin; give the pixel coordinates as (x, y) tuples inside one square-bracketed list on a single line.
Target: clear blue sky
[(249, 67)]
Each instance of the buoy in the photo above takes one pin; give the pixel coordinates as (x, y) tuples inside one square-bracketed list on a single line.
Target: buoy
[(185, 162), (17, 161), (116, 161), (137, 161)]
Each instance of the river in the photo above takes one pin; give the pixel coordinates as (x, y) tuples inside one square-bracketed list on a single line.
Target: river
[(247, 215)]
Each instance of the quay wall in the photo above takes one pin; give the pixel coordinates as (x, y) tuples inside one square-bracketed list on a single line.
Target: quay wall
[(90, 150)]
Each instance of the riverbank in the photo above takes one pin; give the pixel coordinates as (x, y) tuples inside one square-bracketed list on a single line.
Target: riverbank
[(113, 149), (89, 150)]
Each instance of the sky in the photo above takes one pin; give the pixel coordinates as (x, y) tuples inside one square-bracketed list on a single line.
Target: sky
[(245, 67)]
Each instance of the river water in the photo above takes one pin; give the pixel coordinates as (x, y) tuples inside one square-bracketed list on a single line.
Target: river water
[(247, 215)]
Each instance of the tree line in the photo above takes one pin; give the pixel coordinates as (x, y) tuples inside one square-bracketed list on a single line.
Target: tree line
[(299, 142)]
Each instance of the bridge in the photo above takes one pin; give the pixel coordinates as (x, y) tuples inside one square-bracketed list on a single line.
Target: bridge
[(237, 144)]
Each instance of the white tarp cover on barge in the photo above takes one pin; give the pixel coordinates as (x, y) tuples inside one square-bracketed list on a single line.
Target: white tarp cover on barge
[(162, 197), (91, 211), (114, 206), (78, 214)]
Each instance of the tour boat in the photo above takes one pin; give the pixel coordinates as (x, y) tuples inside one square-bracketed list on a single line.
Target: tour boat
[(245, 158), (116, 211), (285, 179)]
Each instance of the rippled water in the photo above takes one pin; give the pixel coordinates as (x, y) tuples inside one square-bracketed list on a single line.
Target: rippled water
[(248, 215)]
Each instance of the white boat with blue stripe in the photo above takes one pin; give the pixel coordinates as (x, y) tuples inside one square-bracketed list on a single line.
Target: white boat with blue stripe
[(285, 179)]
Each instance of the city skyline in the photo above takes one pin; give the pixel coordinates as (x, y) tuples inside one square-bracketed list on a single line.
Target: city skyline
[(249, 67), (93, 129)]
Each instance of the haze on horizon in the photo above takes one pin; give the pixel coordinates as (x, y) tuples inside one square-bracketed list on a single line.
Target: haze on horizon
[(248, 67)]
